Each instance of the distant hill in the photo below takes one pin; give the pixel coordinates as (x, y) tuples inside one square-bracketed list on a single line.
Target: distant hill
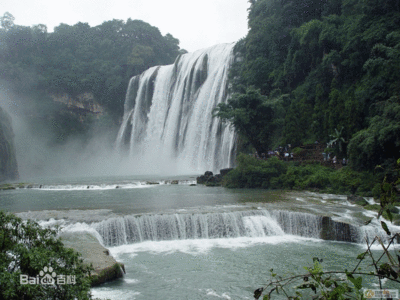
[(37, 67)]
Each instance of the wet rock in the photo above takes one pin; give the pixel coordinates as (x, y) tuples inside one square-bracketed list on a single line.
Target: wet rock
[(106, 268), (223, 172), (337, 231), (357, 200), (8, 158), (209, 179)]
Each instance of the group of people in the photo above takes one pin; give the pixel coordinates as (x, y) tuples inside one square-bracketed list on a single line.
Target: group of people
[(280, 152), (286, 154), (334, 160)]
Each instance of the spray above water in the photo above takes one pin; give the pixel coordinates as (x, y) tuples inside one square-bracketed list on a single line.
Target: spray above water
[(168, 123)]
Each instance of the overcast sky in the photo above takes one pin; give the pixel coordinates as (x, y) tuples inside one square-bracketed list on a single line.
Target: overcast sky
[(197, 24)]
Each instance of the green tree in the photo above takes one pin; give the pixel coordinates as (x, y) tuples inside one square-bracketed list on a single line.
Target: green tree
[(338, 142), (27, 249), (319, 284), (254, 116), (380, 141)]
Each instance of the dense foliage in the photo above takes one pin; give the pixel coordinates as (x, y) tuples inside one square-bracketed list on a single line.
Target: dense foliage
[(27, 249), (77, 59), (318, 283), (277, 174), (338, 62)]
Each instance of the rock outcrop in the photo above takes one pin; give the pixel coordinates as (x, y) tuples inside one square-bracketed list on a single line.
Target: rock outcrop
[(106, 268), (81, 104), (210, 179), (8, 159), (338, 231), (357, 200)]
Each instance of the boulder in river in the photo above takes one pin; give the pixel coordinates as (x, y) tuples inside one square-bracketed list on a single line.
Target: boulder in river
[(106, 268), (355, 199)]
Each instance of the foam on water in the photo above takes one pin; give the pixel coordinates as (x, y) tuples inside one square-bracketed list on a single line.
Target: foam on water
[(88, 187), (114, 294), (211, 292), (201, 246)]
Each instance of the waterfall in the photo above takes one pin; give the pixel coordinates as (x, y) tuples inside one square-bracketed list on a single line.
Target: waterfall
[(168, 119), (255, 223)]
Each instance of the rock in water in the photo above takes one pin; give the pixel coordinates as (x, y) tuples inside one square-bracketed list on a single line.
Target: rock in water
[(8, 160), (357, 200), (106, 268), (223, 172)]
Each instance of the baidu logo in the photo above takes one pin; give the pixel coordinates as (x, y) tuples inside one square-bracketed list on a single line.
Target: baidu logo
[(46, 277)]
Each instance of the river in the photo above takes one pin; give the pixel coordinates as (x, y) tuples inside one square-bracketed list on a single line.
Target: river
[(179, 240)]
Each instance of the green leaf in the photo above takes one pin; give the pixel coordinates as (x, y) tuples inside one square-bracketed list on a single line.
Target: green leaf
[(390, 216), (266, 297), (384, 226), (361, 255), (356, 281), (386, 186), (369, 221)]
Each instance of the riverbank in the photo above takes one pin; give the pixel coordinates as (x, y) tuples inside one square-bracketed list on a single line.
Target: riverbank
[(277, 174)]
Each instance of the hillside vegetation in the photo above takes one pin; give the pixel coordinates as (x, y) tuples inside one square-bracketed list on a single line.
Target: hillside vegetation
[(74, 60), (319, 70)]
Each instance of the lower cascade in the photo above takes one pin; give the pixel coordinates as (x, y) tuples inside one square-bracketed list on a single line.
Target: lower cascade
[(168, 118), (255, 223)]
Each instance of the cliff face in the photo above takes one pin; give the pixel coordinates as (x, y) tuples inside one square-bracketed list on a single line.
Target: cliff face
[(80, 105), (8, 160)]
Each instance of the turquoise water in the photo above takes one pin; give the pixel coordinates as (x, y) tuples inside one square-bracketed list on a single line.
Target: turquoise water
[(206, 268), (217, 269)]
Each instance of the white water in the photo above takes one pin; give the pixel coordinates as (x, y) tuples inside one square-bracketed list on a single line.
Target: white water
[(194, 242), (133, 229), (168, 124)]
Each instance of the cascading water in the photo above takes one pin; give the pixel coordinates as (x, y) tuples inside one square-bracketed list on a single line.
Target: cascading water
[(255, 223), (168, 119)]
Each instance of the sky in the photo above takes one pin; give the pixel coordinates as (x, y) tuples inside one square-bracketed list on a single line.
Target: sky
[(197, 24)]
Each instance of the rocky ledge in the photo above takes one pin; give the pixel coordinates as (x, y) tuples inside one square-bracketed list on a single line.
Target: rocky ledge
[(209, 179), (106, 268)]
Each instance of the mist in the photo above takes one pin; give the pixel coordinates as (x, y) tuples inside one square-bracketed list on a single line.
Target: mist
[(39, 159)]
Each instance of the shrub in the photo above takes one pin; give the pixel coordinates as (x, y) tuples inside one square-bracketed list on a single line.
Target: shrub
[(254, 173), (26, 252)]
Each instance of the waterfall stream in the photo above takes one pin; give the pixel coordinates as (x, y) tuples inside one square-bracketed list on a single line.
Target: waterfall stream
[(255, 223), (168, 114)]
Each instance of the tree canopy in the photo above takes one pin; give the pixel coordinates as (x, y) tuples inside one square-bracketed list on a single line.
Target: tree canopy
[(28, 252), (338, 62), (80, 58)]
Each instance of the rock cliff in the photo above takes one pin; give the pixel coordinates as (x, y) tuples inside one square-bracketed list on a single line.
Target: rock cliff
[(8, 160)]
